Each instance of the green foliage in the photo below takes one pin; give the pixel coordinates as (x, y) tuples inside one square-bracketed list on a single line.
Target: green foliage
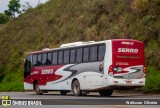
[(3, 18), (14, 7), (152, 80), (8, 13), (140, 5), (1, 72), (13, 81), (152, 54), (157, 2), (63, 21)]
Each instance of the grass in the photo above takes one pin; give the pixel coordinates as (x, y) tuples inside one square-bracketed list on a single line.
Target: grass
[(152, 81), (63, 21), (13, 81)]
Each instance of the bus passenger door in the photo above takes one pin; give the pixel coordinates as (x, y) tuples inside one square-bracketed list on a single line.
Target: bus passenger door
[(27, 77), (27, 66)]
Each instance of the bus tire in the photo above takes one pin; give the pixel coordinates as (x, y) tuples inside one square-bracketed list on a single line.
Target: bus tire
[(37, 89), (76, 88), (63, 92), (106, 92)]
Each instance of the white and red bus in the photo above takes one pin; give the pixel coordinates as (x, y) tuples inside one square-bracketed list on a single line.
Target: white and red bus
[(82, 67)]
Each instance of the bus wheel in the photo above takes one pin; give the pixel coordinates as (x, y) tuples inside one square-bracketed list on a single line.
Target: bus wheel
[(106, 92), (37, 89), (76, 88), (63, 92)]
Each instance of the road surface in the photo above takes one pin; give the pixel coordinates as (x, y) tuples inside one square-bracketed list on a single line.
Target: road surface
[(92, 100)]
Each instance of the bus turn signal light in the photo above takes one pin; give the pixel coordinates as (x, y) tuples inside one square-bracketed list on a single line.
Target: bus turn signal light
[(110, 69), (144, 69)]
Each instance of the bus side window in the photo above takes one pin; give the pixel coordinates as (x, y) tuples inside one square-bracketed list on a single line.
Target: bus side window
[(49, 59), (34, 61), (101, 52), (66, 57), (85, 54), (44, 58), (72, 55), (60, 57), (39, 61), (93, 53), (79, 55), (55, 58)]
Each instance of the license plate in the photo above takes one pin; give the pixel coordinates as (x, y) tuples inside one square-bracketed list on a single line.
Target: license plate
[(128, 82)]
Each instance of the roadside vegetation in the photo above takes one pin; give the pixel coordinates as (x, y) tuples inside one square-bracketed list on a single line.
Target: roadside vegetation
[(10, 13), (63, 21)]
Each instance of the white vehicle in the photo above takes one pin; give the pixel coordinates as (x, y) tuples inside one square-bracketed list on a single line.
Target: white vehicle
[(82, 67)]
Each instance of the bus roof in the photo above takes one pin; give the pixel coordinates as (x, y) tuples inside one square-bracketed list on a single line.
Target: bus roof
[(77, 44)]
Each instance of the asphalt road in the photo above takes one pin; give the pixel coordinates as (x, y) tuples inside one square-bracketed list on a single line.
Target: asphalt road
[(92, 100)]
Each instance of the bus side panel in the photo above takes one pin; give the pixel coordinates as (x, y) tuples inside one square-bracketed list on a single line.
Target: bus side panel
[(65, 85), (107, 61), (88, 74), (28, 86)]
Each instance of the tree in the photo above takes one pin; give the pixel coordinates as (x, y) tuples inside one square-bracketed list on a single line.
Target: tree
[(14, 7), (7, 12), (3, 18)]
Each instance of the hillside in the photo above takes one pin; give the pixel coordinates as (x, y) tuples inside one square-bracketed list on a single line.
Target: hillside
[(63, 21)]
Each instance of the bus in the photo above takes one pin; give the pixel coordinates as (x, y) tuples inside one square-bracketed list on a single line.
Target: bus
[(83, 67)]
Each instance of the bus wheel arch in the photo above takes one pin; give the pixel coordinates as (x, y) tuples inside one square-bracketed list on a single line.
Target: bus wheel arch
[(76, 87), (36, 88)]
